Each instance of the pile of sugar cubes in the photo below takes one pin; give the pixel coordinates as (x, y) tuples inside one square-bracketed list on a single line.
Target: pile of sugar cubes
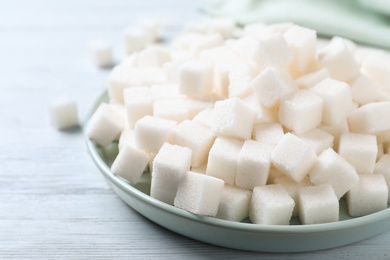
[(255, 122)]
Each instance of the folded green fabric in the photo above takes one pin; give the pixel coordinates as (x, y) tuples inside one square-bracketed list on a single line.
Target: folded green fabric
[(363, 21)]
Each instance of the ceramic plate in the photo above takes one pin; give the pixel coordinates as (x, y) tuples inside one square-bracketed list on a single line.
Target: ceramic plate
[(243, 235)]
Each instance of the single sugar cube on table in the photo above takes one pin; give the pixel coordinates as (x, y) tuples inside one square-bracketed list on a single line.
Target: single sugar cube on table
[(339, 61), (272, 51), (152, 132), (105, 125), (63, 113), (199, 194), (272, 84), (301, 111), (223, 157), (100, 53), (318, 204), (293, 187), (294, 157), (368, 196), (303, 44), (337, 99), (331, 168), (254, 162), (138, 103), (172, 109), (194, 136), (360, 150), (130, 163), (271, 205), (383, 167), (234, 204), (232, 118), (170, 165), (369, 118), (196, 78), (270, 133), (318, 139)]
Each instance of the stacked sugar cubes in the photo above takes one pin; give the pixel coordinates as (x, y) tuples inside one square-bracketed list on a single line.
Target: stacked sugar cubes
[(252, 122)]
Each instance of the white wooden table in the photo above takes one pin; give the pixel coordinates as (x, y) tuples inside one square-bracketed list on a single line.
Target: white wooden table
[(54, 203)]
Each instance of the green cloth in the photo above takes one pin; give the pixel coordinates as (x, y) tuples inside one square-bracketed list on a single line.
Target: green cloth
[(363, 21)]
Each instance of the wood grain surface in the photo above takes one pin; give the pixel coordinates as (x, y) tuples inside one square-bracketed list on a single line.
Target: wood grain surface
[(54, 203)]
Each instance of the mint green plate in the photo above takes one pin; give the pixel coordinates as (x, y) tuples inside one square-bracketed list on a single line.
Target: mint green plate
[(243, 235)]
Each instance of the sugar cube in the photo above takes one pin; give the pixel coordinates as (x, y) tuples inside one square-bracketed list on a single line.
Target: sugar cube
[(194, 136), (294, 157), (369, 118), (130, 163), (254, 162), (223, 158), (199, 194), (105, 125), (377, 68), (364, 90), (234, 204), (333, 169), (270, 133), (301, 111), (172, 109), (360, 150), (271, 205), (196, 78), (382, 166), (155, 56), (368, 196), (151, 27), (63, 113), (127, 137), (152, 132), (337, 100), (336, 131), (138, 102), (232, 118), (205, 117), (311, 79), (170, 166), (318, 139), (263, 113), (165, 91), (134, 39), (194, 106), (240, 79), (318, 204), (272, 84), (100, 53)]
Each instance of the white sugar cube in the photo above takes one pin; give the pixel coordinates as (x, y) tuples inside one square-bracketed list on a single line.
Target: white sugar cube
[(271, 205), (196, 78), (210, 41), (171, 69), (293, 187), (127, 137), (234, 204), (240, 80), (318, 139), (151, 27), (368, 196), (194, 106), (222, 26), (337, 100), (130, 163), (232, 118), (377, 68), (152, 132), (333, 169), (253, 165), (105, 125), (318, 204), (134, 39), (338, 60), (298, 165), (302, 41), (223, 158), (138, 102), (172, 109), (272, 84), (311, 79), (199, 194), (360, 150), (272, 51), (165, 91), (369, 118), (383, 167), (170, 165), (270, 133), (263, 113), (63, 113), (301, 111), (194, 136), (243, 47), (153, 57), (205, 117), (100, 54), (336, 131), (364, 90)]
